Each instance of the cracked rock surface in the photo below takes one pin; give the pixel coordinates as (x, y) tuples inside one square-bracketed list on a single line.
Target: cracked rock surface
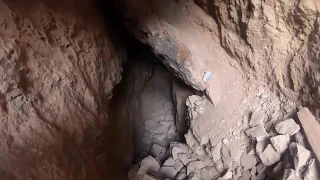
[(55, 86)]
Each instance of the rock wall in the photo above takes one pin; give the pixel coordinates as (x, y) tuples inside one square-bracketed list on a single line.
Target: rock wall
[(58, 66), (147, 103), (275, 41)]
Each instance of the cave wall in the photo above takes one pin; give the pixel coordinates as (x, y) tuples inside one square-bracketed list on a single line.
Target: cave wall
[(275, 41), (149, 105), (58, 66)]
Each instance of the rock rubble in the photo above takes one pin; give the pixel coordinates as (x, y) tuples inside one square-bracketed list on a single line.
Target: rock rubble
[(273, 152)]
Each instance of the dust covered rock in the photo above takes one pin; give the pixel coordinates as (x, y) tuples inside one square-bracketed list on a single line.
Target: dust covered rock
[(287, 127), (257, 117), (300, 155), (208, 173), (148, 165), (280, 143), (258, 133), (269, 156), (248, 161), (291, 174)]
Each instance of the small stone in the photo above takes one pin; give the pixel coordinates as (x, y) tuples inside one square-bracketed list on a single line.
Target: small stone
[(236, 151), (312, 172), (178, 165), (253, 171), (209, 173), (220, 166), (287, 127), (245, 175), (280, 143), (300, 155), (290, 174), (258, 133), (226, 158), (248, 161), (150, 123), (269, 156), (169, 117), (216, 152), (186, 158), (225, 141), (207, 76), (193, 166), (194, 144), (261, 146), (261, 168), (148, 164), (176, 150), (168, 172), (207, 161), (169, 162), (257, 118), (227, 175), (158, 152), (199, 110), (245, 138), (238, 171), (278, 168)]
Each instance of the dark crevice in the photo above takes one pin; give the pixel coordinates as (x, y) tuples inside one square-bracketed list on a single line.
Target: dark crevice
[(114, 19), (122, 149)]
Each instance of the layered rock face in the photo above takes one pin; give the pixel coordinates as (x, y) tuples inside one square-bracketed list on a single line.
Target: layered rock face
[(276, 41), (58, 66)]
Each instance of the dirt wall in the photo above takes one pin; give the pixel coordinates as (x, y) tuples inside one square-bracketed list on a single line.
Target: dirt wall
[(275, 41), (58, 66)]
